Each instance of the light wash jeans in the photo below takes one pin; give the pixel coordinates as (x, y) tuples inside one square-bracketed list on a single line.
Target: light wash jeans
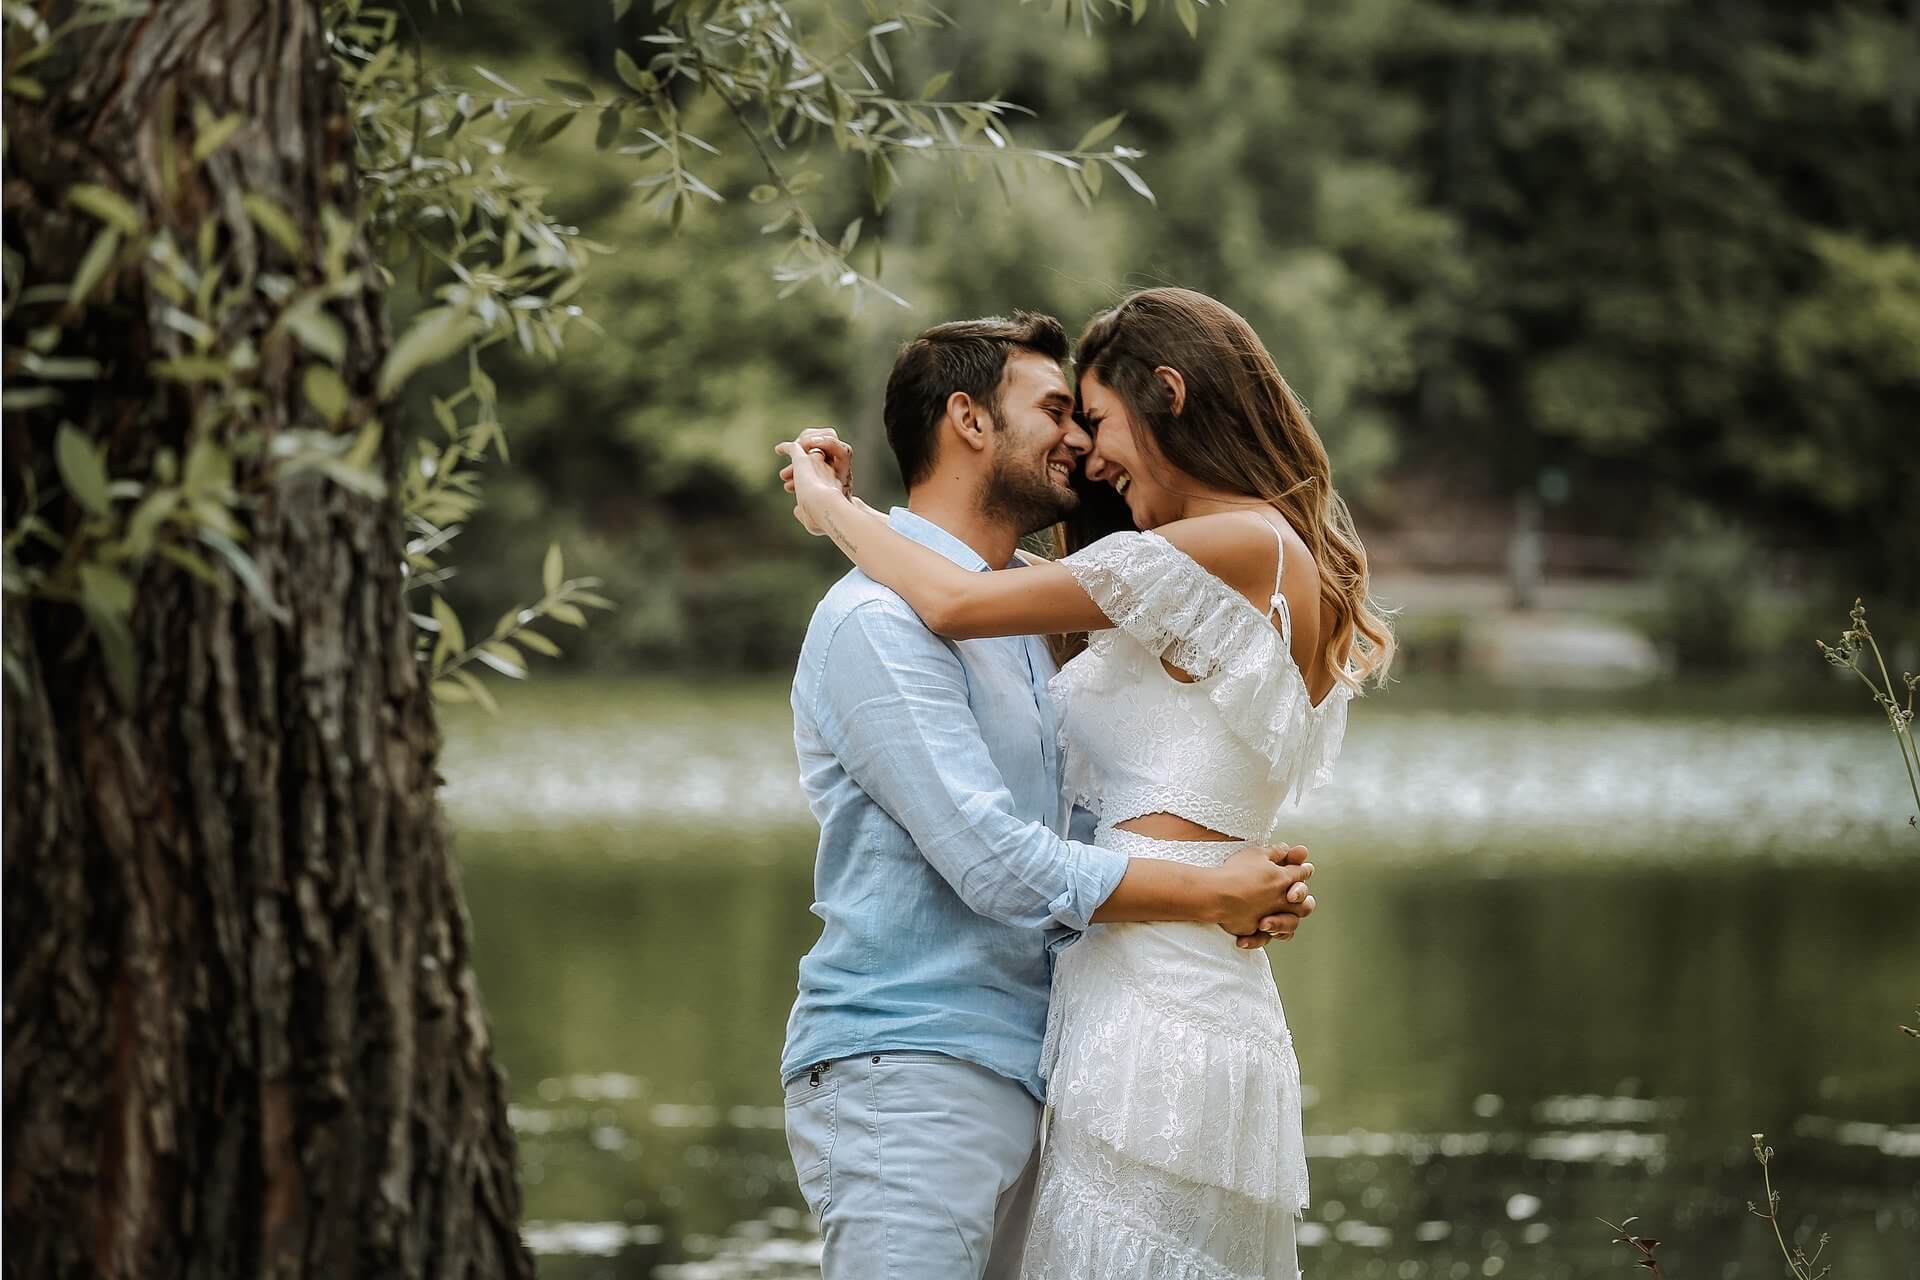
[(919, 1166)]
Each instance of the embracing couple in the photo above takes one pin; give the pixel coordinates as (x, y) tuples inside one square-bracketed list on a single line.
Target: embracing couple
[(1055, 884)]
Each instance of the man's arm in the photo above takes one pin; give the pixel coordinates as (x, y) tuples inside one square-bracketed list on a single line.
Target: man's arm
[(1240, 887), (892, 706)]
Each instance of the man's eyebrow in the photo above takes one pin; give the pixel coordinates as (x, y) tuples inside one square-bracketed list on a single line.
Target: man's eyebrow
[(1056, 397)]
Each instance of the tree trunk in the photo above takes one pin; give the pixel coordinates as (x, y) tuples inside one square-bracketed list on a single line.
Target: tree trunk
[(242, 1031)]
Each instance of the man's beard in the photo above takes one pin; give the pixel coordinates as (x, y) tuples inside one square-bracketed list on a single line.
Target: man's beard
[(1025, 498)]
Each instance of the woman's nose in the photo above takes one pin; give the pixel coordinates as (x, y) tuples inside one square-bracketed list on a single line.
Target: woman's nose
[(1095, 464)]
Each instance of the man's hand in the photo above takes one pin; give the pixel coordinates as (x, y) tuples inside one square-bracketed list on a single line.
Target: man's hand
[(1264, 894), (837, 453)]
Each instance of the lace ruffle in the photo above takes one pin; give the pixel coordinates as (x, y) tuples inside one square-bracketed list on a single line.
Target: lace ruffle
[(1099, 1214), (1174, 1052), (1161, 598)]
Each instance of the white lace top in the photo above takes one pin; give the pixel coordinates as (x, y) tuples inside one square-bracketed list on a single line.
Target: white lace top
[(1226, 751)]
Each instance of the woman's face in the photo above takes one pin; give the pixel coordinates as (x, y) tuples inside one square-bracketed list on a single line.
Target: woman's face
[(1121, 456)]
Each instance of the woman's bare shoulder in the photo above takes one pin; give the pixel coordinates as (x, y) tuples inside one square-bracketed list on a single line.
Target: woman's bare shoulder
[(1238, 547)]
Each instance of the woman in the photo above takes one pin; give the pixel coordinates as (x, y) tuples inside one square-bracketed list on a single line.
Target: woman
[(1226, 642)]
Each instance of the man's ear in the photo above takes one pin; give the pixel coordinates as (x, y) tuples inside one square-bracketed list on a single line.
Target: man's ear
[(1175, 384), (969, 420)]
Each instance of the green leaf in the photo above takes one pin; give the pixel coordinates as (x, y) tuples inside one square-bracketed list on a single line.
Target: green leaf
[(209, 469), (537, 642), (471, 683), (100, 256), (191, 369), (591, 600), (116, 646), (609, 129), (450, 691), (109, 206), (273, 220), (377, 66), (503, 658), (317, 329), (561, 612), (145, 521), (366, 447), (629, 71), (554, 128), (932, 88), (620, 8), (212, 513), (1081, 187), (572, 88), (522, 129), (1189, 17), (453, 640), (106, 589), (325, 391), (192, 563), (60, 369), (247, 571), (83, 468), (214, 134), (1132, 179), (764, 194), (1100, 132), (880, 180), (434, 335), (497, 80), (353, 479), (553, 570)]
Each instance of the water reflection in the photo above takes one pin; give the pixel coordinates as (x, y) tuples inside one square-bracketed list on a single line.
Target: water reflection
[(1506, 1035)]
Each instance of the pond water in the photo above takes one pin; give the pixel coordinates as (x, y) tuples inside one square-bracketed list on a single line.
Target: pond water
[(1571, 952)]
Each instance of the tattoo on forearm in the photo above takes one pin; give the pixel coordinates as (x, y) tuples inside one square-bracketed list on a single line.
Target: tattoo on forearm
[(841, 538)]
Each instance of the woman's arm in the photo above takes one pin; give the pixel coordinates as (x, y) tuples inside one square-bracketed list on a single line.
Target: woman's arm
[(952, 601)]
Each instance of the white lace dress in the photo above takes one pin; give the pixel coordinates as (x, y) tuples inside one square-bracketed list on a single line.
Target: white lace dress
[(1174, 1149)]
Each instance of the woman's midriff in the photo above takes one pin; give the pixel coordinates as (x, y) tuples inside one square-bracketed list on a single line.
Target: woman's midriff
[(1167, 826)]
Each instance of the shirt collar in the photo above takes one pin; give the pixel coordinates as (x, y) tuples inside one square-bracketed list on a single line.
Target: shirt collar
[(930, 535)]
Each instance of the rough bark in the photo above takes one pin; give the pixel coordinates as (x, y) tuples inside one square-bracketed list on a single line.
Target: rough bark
[(242, 1030)]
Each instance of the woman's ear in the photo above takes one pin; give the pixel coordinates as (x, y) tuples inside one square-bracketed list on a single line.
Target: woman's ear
[(1176, 387), (968, 421)]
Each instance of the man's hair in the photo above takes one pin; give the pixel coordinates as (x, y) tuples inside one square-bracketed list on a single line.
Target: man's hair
[(963, 355)]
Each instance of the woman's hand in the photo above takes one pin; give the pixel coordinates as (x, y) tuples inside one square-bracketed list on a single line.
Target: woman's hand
[(839, 456), (816, 490)]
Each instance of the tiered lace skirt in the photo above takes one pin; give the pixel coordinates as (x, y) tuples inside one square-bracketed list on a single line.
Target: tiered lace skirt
[(1174, 1149)]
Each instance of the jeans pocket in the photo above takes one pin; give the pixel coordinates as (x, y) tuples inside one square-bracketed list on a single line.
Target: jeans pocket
[(812, 1121), (912, 1058)]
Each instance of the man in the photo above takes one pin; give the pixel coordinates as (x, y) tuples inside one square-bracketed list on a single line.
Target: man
[(945, 877)]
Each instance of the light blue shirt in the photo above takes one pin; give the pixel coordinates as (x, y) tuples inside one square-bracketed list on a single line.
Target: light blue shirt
[(945, 880)]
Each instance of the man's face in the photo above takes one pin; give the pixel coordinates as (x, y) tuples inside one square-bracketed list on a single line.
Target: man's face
[(1037, 444)]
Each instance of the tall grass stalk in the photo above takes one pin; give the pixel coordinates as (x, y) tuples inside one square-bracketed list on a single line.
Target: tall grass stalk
[(1798, 1262), (1856, 644)]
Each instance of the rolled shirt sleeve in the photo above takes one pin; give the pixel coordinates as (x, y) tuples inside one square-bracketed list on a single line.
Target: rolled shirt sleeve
[(892, 706)]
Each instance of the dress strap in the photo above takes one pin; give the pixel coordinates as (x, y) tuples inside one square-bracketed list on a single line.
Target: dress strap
[(1278, 604)]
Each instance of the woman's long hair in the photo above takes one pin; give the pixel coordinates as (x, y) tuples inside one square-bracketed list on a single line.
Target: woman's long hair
[(1240, 429)]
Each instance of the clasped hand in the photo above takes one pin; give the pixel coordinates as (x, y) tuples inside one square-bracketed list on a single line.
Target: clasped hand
[(818, 462), (1266, 894)]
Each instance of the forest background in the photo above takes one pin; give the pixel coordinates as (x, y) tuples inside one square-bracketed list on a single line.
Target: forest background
[(1643, 277)]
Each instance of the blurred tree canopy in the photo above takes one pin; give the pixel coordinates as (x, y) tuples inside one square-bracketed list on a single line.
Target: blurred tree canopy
[(1645, 260)]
